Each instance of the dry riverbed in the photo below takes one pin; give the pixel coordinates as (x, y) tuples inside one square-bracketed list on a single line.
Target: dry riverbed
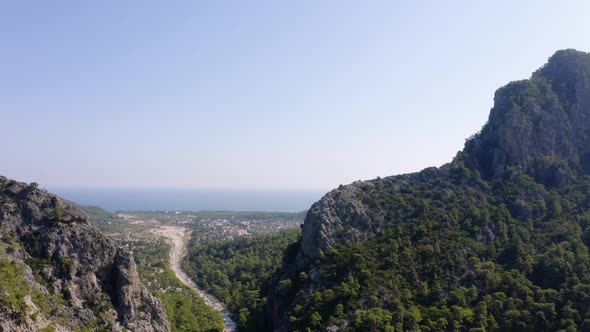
[(178, 237)]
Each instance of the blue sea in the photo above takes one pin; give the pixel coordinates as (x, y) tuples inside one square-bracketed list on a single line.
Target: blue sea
[(191, 200)]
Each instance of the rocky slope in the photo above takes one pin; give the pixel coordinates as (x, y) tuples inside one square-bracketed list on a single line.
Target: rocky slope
[(73, 277), (503, 199)]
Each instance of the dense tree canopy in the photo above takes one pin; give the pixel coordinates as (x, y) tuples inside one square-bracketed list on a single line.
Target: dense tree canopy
[(236, 271), (462, 255)]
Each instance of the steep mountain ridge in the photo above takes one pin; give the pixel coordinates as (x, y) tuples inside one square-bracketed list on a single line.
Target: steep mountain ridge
[(396, 253), (545, 116), (531, 127), (77, 279)]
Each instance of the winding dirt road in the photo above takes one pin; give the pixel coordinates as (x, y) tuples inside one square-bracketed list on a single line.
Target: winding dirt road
[(178, 237)]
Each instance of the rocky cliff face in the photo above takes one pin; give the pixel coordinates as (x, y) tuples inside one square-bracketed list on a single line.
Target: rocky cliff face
[(542, 123), (78, 278), (539, 127), (342, 215)]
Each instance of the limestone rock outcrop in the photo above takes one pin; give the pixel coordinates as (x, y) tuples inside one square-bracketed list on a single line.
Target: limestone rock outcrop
[(65, 257)]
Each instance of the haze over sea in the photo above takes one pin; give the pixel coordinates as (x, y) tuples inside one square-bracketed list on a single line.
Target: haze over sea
[(191, 199)]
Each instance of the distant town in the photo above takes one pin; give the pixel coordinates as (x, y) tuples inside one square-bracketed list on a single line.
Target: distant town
[(206, 225)]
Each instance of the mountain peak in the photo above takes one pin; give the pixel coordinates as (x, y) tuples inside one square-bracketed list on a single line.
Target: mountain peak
[(541, 124), (565, 66), (506, 222)]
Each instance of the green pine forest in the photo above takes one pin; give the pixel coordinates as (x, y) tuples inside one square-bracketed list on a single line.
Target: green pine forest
[(237, 271), (470, 255)]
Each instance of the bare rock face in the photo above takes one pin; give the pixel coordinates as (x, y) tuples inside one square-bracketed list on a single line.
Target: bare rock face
[(344, 215), (324, 221), (71, 258), (541, 124)]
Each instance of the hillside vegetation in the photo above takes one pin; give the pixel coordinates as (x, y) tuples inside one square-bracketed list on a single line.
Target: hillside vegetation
[(236, 271), (187, 311), (500, 255), (496, 240)]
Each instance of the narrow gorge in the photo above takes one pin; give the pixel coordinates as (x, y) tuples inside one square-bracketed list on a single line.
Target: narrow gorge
[(178, 238)]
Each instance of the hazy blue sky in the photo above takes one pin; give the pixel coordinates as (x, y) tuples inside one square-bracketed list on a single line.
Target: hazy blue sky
[(258, 94)]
